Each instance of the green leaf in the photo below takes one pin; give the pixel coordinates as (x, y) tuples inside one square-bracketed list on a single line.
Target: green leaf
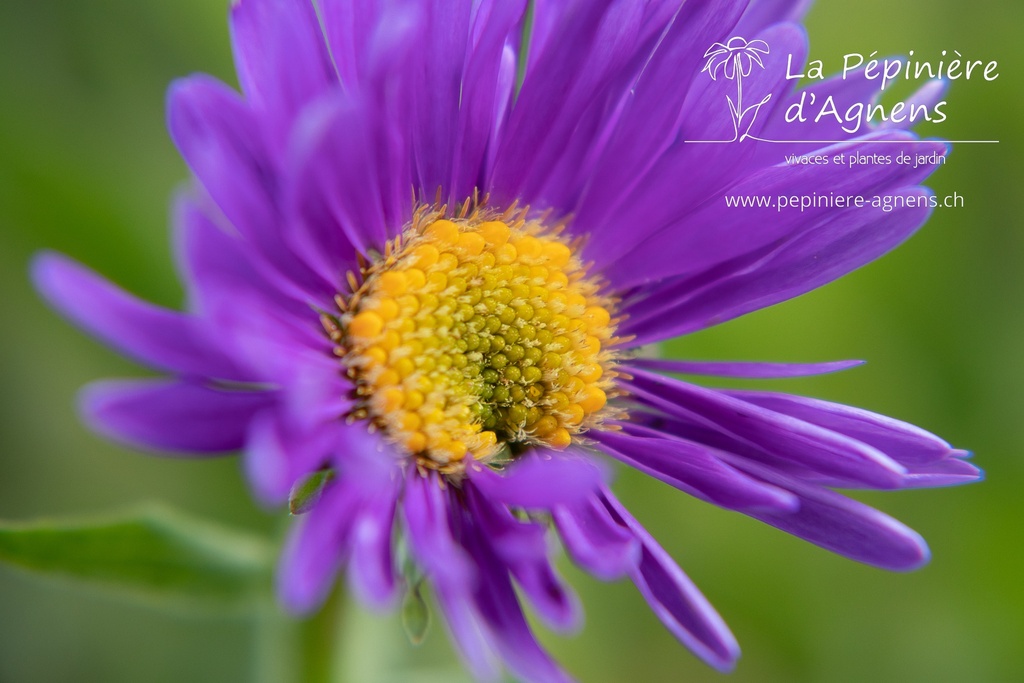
[(154, 554), (415, 615)]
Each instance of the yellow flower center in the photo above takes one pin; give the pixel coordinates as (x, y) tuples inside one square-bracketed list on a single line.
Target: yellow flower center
[(477, 335)]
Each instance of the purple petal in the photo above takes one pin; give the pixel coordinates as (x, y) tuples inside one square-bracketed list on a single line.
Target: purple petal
[(541, 479), (522, 547), (317, 547), (372, 570), (499, 607), (361, 448), (783, 436), (425, 513), (636, 177), (278, 454), (220, 139), (695, 469), (267, 459), (901, 441), (948, 472), (436, 92), (468, 631), (353, 29), (811, 259), (351, 180), (701, 237), (841, 525), (635, 89), (854, 87), (513, 540), (763, 13), (594, 541), (171, 415), (281, 57), (556, 603), (219, 267), (564, 77), (745, 369), (487, 84), (675, 599), (163, 339)]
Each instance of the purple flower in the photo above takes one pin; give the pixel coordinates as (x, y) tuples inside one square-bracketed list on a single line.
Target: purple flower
[(412, 268)]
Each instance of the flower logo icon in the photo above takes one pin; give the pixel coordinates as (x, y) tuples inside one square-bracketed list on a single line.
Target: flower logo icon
[(735, 60)]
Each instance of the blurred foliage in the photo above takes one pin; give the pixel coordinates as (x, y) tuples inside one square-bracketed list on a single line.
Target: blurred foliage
[(153, 555), (86, 168)]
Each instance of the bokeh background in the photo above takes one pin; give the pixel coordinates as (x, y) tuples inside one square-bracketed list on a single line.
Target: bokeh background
[(87, 168)]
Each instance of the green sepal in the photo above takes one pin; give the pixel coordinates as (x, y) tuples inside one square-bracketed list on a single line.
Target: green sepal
[(415, 615), (306, 493)]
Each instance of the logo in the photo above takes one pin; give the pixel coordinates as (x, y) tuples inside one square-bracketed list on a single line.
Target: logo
[(746, 62), (735, 60)]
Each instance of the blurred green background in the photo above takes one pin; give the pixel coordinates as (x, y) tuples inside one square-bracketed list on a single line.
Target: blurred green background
[(86, 168)]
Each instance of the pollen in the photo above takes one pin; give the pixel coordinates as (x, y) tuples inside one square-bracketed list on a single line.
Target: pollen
[(477, 335)]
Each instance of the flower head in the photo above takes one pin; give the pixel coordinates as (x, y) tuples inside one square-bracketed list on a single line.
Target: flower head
[(421, 253), (736, 56)]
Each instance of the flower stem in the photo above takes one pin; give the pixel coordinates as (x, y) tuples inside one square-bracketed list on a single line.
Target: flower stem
[(739, 93), (368, 648), (277, 645)]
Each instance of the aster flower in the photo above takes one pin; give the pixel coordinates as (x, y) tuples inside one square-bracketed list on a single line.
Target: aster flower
[(421, 253)]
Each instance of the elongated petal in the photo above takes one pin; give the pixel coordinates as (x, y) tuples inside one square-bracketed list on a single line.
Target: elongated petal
[(469, 633), (354, 29), (746, 369), (842, 525), (705, 236), (641, 190), (786, 437), (317, 547), (372, 569), (437, 92), (163, 339), (350, 173), (281, 57), (221, 140), (514, 541), (594, 541), (425, 513), (522, 548), (675, 599), (279, 453), (815, 257), (220, 268), (901, 441), (487, 86), (172, 415), (648, 125), (542, 479), (499, 607), (561, 90), (763, 13), (697, 470), (948, 472)]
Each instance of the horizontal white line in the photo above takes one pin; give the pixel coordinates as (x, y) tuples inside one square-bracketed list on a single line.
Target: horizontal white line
[(836, 142)]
